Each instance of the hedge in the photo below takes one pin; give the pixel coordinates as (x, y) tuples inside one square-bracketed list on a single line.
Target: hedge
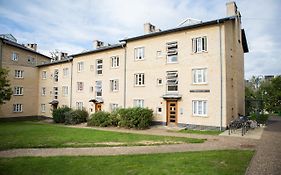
[(59, 114)]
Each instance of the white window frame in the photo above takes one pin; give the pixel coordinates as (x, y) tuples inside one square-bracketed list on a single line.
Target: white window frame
[(139, 53), (43, 108), (199, 107), (79, 105), (199, 76), (43, 91), (18, 91), (99, 67), (199, 44), (15, 56), (172, 81), (65, 71), (114, 85), (172, 52), (17, 107), (113, 106), (139, 103), (65, 90), (80, 66), (44, 74), (139, 79), (19, 74), (115, 61), (80, 86), (98, 88)]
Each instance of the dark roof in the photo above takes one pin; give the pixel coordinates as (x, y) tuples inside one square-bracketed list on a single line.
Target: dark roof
[(180, 28), (99, 49), (244, 42), (20, 46), (69, 59)]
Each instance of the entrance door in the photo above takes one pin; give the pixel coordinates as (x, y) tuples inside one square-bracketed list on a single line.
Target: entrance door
[(172, 112), (97, 107)]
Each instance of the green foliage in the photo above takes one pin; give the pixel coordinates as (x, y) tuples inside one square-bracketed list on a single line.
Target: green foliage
[(5, 89), (260, 118), (101, 119), (60, 114), (76, 117)]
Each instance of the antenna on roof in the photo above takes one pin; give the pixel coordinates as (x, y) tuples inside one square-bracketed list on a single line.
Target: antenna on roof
[(189, 21)]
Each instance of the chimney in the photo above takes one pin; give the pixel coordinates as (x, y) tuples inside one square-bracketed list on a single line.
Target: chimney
[(149, 28), (231, 9), (32, 46), (62, 55), (98, 44)]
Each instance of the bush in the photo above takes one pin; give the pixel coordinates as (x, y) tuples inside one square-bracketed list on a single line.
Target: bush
[(76, 117), (115, 117), (101, 119), (260, 118), (59, 114)]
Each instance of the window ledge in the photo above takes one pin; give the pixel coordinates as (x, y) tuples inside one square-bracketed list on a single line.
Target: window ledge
[(139, 85), (202, 116), (198, 84), (18, 94)]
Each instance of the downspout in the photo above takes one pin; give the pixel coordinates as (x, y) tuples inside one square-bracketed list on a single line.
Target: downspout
[(71, 77), (221, 81), (125, 74)]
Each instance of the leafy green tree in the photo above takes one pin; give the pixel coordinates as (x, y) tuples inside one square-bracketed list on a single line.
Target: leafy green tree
[(5, 89)]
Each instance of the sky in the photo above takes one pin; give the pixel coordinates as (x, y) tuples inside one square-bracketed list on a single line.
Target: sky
[(71, 25)]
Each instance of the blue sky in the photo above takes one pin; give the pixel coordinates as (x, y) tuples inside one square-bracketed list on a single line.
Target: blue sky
[(71, 26)]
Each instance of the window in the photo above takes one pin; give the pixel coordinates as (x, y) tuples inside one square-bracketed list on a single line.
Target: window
[(56, 75), (17, 107), (139, 79), (18, 73), (79, 105), (18, 90), (139, 53), (199, 107), (159, 53), (172, 52), (56, 92), (139, 103), (43, 91), (199, 44), (65, 72), (15, 56), (80, 66), (113, 106), (80, 86), (98, 88), (199, 76), (159, 81), (159, 110), (172, 81), (114, 85), (114, 62), (31, 60), (99, 66), (43, 107), (44, 74), (65, 90)]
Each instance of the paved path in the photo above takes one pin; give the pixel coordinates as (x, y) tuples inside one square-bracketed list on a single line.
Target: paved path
[(267, 159)]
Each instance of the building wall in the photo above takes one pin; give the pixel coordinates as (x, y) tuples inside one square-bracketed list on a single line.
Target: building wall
[(29, 82)]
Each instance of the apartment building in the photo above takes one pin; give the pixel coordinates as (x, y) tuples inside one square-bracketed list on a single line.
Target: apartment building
[(191, 76), (21, 61)]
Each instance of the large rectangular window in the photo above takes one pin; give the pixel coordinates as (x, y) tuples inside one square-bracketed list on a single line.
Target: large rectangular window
[(17, 107), (199, 107), (99, 66), (44, 74), (172, 81), (18, 90), (43, 91), (172, 52), (98, 88), (79, 105), (113, 106), (65, 72), (18, 73), (43, 108), (15, 56), (199, 76), (80, 66), (139, 53), (114, 85), (199, 44), (139, 103), (65, 90), (114, 62), (139, 79), (80, 86)]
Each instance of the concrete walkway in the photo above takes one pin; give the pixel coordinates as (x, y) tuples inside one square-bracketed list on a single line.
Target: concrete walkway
[(267, 159)]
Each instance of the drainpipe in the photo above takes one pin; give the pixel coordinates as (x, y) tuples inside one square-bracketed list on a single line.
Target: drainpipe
[(125, 74), (221, 80), (71, 77)]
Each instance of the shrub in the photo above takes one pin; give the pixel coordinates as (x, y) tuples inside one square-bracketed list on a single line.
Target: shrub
[(115, 117), (59, 114), (260, 118), (76, 116), (101, 119)]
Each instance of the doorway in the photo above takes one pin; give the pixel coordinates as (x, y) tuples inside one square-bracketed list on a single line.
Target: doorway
[(172, 112), (98, 107)]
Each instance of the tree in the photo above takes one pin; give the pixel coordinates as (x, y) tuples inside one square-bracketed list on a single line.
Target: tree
[(5, 89)]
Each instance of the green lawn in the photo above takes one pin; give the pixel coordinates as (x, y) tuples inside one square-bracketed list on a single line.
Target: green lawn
[(205, 132), (39, 135), (226, 162)]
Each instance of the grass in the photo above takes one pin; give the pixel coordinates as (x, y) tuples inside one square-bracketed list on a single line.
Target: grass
[(205, 132), (226, 162), (39, 135)]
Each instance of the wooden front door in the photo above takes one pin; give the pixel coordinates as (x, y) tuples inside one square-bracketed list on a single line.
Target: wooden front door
[(97, 107), (172, 112)]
